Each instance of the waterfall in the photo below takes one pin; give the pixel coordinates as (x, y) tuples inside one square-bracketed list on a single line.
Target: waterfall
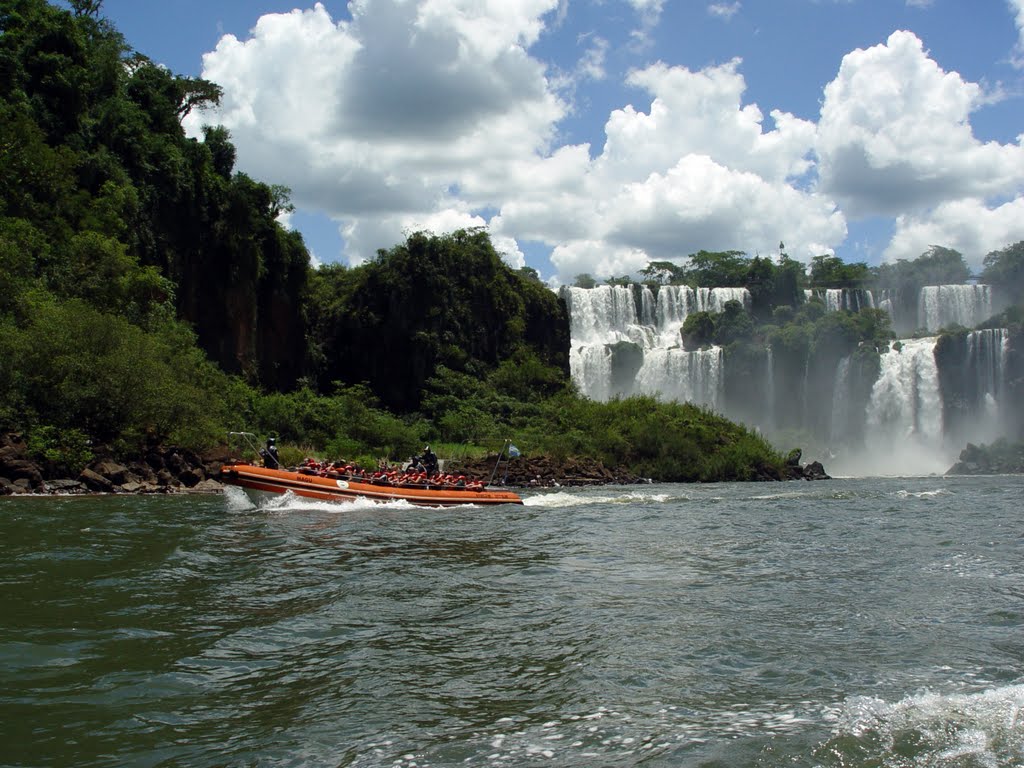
[(904, 414), (694, 377), (591, 369), (986, 356), (939, 306), (839, 299), (840, 403), (913, 418), (602, 319), (601, 315)]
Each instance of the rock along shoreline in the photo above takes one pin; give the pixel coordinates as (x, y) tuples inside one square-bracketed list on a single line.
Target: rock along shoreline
[(172, 469)]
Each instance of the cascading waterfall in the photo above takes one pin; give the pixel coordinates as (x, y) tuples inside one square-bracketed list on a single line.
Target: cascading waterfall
[(986, 355), (986, 358), (591, 369), (939, 306), (604, 319), (912, 418), (840, 403), (837, 299), (904, 415), (687, 377), (601, 315)]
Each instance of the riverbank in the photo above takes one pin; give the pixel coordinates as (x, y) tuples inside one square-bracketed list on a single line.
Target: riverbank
[(160, 470), (548, 472), (177, 470)]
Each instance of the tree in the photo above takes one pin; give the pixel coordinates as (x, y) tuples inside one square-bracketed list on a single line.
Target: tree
[(721, 269), (698, 330), (529, 273), (86, 7), (732, 324), (829, 271), (1004, 270), (584, 280), (936, 266), (663, 272)]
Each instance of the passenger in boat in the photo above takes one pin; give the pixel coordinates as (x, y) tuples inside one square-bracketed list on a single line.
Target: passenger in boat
[(429, 461), (269, 455)]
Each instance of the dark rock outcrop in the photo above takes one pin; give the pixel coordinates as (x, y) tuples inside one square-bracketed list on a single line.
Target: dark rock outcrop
[(1000, 458), (161, 470)]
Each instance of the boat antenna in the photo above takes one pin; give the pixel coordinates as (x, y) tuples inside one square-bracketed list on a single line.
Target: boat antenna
[(248, 438)]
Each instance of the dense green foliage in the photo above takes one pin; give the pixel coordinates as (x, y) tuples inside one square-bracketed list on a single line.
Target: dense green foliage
[(434, 301), (104, 199), (1004, 270)]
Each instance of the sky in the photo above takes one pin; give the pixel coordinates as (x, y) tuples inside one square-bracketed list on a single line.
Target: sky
[(595, 136)]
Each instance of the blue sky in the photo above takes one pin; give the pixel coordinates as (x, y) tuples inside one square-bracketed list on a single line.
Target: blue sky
[(597, 135)]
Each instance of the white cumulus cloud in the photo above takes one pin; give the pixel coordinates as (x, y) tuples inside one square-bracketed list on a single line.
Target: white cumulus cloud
[(895, 134), (968, 226), (435, 115)]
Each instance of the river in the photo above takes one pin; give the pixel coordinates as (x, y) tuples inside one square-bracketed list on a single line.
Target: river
[(859, 622)]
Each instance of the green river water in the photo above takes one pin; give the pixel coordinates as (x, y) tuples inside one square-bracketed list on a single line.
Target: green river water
[(861, 622)]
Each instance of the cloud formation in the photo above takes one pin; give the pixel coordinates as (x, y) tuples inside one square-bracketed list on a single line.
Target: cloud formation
[(895, 134), (434, 114)]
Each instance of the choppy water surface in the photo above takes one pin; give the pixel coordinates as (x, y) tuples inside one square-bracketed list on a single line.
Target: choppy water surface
[(844, 623)]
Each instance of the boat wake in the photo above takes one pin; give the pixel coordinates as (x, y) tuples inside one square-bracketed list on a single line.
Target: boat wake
[(574, 499), (238, 501)]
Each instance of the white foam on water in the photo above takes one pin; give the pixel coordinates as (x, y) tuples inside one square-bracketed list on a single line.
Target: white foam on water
[(566, 499), (903, 494), (292, 503), (236, 499), (985, 729)]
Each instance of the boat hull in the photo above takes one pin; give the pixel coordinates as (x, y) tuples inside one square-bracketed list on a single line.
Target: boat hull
[(262, 480)]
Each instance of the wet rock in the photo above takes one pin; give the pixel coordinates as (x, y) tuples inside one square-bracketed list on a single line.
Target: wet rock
[(117, 474), (95, 482), (64, 485), (206, 486), (15, 469), (815, 471)]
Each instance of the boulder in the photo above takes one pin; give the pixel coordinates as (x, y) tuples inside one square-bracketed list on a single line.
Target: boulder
[(815, 471), (191, 477), (22, 469), (64, 485), (206, 486), (95, 481), (165, 478), (117, 474)]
